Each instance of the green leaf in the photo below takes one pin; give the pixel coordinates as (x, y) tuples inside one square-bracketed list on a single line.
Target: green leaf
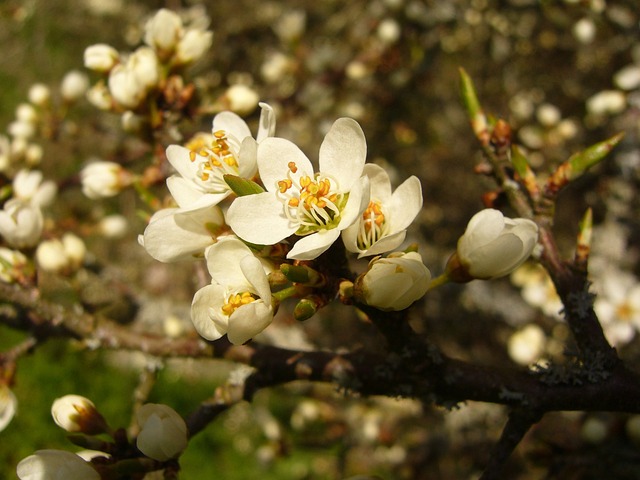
[(581, 161), (241, 186)]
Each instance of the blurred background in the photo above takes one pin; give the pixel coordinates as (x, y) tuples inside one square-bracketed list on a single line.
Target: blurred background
[(565, 74)]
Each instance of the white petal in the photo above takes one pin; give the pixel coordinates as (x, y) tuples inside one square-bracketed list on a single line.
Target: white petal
[(247, 161), (248, 321), (259, 219), (170, 237), (253, 271), (379, 182), (385, 244), (274, 156), (205, 299), (343, 152), (311, 246), (190, 198), (223, 262), (267, 124), (179, 158), (357, 202), (232, 124), (405, 204)]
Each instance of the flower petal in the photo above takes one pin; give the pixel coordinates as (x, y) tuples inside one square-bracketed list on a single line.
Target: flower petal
[(267, 124), (405, 204), (259, 219), (379, 182), (274, 157), (311, 246), (232, 124), (223, 262), (343, 152), (356, 203), (248, 321), (253, 270), (179, 158), (205, 299)]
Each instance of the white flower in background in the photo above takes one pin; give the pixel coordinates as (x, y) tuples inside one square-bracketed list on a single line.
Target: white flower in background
[(5, 153), (382, 226), (628, 78), (394, 282), (163, 433), (125, 88), (201, 167), (54, 465), (607, 102), (241, 99), (618, 305), (101, 179), (74, 413), (12, 262), (8, 405), (527, 344), (113, 226), (537, 289), (65, 254), (21, 129), (144, 65), (21, 223), (173, 234), (238, 300), (492, 246), (100, 97), (39, 94), (316, 206), (193, 45), (27, 113), (163, 30), (101, 57), (29, 187), (74, 85)]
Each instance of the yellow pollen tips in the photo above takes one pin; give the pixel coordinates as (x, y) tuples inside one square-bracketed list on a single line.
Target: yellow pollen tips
[(293, 202), (219, 134), (237, 300), (292, 166), (305, 181), (284, 185), (192, 156), (373, 214)]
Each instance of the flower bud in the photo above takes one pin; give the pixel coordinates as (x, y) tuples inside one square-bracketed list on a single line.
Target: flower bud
[(12, 264), (39, 94), (242, 99), (125, 88), (193, 45), (492, 246), (101, 57), (21, 223), (100, 97), (78, 414), (74, 85), (163, 433), (163, 30), (53, 464), (394, 282), (102, 179)]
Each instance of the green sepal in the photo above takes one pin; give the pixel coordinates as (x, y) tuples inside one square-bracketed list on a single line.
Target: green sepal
[(241, 186), (582, 161)]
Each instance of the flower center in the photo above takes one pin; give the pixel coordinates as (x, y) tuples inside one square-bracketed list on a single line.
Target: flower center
[(236, 300), (214, 161), (311, 202), (373, 226)]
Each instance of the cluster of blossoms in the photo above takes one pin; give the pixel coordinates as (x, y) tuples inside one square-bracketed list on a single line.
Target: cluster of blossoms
[(278, 199), (132, 77), (162, 436)]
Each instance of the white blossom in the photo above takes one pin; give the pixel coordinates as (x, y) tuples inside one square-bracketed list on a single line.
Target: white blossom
[(101, 179), (315, 206), (395, 282), (238, 300), (163, 433), (163, 30), (174, 234), (29, 187), (12, 262), (54, 465), (242, 99), (21, 223), (193, 45), (618, 305), (39, 94), (382, 226), (201, 167), (74, 85), (493, 246), (101, 57), (75, 413)]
